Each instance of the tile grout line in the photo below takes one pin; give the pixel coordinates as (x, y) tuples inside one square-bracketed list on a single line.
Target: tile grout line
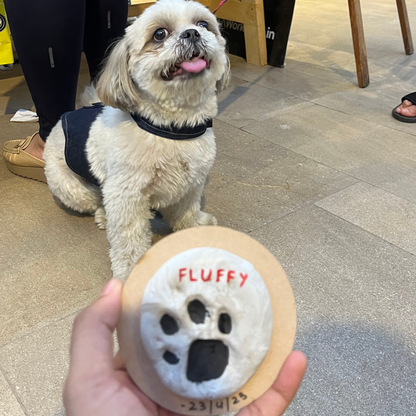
[(301, 208), (373, 186), (297, 153), (366, 231), (336, 216), (315, 103), (40, 328), (13, 390), (343, 219), (364, 119), (328, 166)]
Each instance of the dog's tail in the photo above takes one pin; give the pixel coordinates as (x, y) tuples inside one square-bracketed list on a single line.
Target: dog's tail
[(89, 96)]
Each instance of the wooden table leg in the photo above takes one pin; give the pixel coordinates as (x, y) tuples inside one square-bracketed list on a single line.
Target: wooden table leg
[(359, 43), (405, 26)]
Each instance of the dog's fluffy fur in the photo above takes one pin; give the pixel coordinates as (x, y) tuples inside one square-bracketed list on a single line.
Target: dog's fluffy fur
[(139, 171)]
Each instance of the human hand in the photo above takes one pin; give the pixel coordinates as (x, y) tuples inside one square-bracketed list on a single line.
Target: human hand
[(99, 385)]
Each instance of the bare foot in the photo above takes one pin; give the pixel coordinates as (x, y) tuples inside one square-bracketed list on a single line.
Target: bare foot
[(407, 109), (36, 147)]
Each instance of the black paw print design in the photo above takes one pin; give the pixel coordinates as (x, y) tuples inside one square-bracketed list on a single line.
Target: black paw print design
[(207, 358)]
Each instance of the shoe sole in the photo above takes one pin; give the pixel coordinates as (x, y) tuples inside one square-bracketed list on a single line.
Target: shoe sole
[(37, 174)]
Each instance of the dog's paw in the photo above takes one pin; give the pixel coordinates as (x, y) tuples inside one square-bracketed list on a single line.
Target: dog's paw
[(192, 220), (207, 359), (206, 219), (100, 218)]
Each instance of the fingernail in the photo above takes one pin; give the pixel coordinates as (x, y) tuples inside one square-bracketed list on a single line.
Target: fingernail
[(108, 287)]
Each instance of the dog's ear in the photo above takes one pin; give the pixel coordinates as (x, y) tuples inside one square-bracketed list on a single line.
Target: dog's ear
[(115, 86), (226, 76)]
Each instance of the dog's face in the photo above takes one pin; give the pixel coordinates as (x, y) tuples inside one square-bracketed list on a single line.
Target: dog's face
[(206, 323), (173, 55)]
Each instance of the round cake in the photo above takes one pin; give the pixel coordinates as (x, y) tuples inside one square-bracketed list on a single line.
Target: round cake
[(208, 318), (206, 322)]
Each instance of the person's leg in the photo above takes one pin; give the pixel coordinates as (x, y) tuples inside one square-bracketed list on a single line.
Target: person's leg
[(48, 35), (105, 21)]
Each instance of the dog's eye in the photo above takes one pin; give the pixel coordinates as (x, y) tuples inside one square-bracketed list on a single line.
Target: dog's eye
[(203, 23), (160, 35)]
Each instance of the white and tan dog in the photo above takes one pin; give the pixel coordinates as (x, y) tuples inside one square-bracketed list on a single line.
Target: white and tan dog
[(168, 68)]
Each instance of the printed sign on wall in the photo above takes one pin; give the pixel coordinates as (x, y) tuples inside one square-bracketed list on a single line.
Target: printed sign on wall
[(278, 18)]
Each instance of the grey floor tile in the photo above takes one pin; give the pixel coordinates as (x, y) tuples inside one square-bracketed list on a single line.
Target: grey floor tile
[(53, 261), (36, 365), (254, 181), (356, 320), (381, 213), (246, 103), (31, 219), (376, 154), (247, 72), (42, 286), (16, 72), (374, 103), (300, 53), (234, 81), (14, 94), (11, 82), (16, 100), (302, 81), (9, 406)]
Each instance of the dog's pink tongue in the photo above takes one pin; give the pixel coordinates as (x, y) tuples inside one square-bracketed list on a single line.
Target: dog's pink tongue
[(194, 66)]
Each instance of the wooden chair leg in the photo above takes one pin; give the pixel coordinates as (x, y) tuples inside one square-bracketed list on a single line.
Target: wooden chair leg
[(359, 43), (405, 26)]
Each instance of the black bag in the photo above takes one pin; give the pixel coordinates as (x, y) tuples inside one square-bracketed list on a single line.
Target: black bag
[(278, 19)]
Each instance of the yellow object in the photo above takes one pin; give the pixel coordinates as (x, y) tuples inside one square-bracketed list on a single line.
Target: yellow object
[(6, 49)]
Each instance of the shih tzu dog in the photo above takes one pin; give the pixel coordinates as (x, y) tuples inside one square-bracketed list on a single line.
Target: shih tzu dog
[(150, 144)]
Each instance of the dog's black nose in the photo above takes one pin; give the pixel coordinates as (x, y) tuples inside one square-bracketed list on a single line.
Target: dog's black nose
[(191, 34), (207, 360)]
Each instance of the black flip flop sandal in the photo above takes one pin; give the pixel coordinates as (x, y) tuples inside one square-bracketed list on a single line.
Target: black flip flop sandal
[(409, 97)]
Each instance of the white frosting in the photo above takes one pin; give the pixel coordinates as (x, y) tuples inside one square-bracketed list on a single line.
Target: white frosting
[(237, 290)]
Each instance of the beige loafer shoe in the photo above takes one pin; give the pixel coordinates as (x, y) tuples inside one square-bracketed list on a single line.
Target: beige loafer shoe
[(22, 163)]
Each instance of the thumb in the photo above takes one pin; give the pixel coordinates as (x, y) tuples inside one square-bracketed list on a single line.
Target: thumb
[(91, 351)]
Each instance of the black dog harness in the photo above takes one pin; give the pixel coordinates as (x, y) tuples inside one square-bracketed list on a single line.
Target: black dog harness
[(77, 124)]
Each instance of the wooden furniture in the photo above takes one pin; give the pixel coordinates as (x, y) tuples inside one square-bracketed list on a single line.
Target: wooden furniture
[(285, 13), (137, 7), (359, 41), (248, 12)]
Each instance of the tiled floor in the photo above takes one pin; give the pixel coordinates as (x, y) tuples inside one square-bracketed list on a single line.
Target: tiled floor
[(310, 165)]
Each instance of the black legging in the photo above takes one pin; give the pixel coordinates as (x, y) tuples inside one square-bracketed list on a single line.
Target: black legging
[(50, 35)]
